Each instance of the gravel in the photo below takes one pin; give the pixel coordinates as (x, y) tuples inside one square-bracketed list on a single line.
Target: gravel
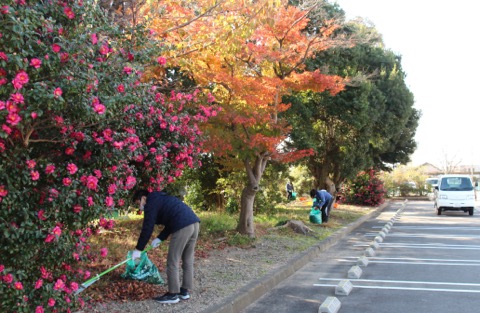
[(219, 276)]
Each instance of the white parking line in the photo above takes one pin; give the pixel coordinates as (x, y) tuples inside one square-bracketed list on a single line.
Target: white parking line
[(442, 236), (412, 282), (403, 287), (434, 228), (412, 263)]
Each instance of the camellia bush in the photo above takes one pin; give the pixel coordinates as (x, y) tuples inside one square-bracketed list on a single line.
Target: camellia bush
[(81, 127), (365, 189)]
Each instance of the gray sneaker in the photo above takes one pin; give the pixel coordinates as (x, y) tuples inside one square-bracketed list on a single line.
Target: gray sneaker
[(184, 295), (168, 298)]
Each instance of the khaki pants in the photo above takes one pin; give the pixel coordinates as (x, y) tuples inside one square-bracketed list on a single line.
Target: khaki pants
[(181, 248)]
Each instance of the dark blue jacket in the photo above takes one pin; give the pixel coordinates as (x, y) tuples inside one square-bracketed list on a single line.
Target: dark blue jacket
[(166, 210), (322, 197)]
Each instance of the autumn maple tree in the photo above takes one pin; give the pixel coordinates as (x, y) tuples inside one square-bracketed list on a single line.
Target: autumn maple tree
[(249, 54)]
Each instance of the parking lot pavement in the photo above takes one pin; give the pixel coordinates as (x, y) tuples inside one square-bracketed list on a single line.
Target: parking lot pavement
[(425, 263)]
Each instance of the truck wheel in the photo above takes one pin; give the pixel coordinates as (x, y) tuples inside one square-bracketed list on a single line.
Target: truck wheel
[(470, 211), (439, 211)]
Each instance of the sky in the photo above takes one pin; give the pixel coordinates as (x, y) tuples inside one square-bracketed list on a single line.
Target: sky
[(438, 43)]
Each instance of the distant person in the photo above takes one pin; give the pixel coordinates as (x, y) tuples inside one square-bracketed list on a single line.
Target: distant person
[(289, 187), (183, 225), (323, 202)]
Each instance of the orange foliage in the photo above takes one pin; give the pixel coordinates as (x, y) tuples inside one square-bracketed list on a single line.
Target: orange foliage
[(250, 54)]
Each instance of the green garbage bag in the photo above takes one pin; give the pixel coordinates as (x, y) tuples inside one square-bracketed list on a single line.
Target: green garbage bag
[(294, 195), (145, 270), (315, 216)]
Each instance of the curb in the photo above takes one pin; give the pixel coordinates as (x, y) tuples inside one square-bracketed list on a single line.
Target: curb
[(254, 290)]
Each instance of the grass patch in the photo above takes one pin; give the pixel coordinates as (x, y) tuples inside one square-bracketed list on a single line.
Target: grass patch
[(217, 231)]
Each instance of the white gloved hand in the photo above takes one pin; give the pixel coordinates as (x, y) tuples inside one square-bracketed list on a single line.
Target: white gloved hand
[(136, 255), (156, 242)]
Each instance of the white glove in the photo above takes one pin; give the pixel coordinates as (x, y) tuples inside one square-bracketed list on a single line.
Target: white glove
[(156, 242), (136, 254)]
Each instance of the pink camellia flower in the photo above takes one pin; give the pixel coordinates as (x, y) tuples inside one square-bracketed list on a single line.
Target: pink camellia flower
[(39, 284), (104, 49), (22, 77), (3, 191), (67, 181), (18, 285), (161, 60), (92, 182), (57, 231), (69, 12), (77, 208), (121, 88), (57, 92), (69, 151), (72, 168), (93, 39), (11, 107), (98, 173), (45, 273), (2, 268), (3, 56), (118, 145), (127, 70), (34, 175), (59, 285), (130, 182), (36, 63), (51, 302), (49, 169), (41, 215), (8, 278), (49, 238), (112, 188), (17, 98), (99, 108), (31, 163), (34, 115), (13, 119), (74, 286), (90, 201), (4, 10), (56, 48), (109, 201), (104, 252), (39, 309)]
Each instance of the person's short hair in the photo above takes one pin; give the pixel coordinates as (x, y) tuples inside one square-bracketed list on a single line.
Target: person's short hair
[(313, 193), (139, 194)]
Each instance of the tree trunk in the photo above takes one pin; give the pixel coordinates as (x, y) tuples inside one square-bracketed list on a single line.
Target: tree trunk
[(246, 225)]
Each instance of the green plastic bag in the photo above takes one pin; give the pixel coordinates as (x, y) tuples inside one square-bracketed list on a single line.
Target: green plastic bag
[(145, 270), (315, 216)]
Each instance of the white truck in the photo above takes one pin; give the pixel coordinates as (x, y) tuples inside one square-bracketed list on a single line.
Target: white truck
[(454, 193)]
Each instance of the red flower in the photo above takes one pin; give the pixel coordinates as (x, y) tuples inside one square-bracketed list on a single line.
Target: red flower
[(18, 285), (39, 284), (56, 48), (69, 13), (59, 285), (35, 62), (72, 168)]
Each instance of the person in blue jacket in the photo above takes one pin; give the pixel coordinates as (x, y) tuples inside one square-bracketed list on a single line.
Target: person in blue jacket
[(323, 202), (183, 225)]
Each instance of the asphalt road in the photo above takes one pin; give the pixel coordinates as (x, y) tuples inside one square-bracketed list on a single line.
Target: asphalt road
[(425, 263)]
